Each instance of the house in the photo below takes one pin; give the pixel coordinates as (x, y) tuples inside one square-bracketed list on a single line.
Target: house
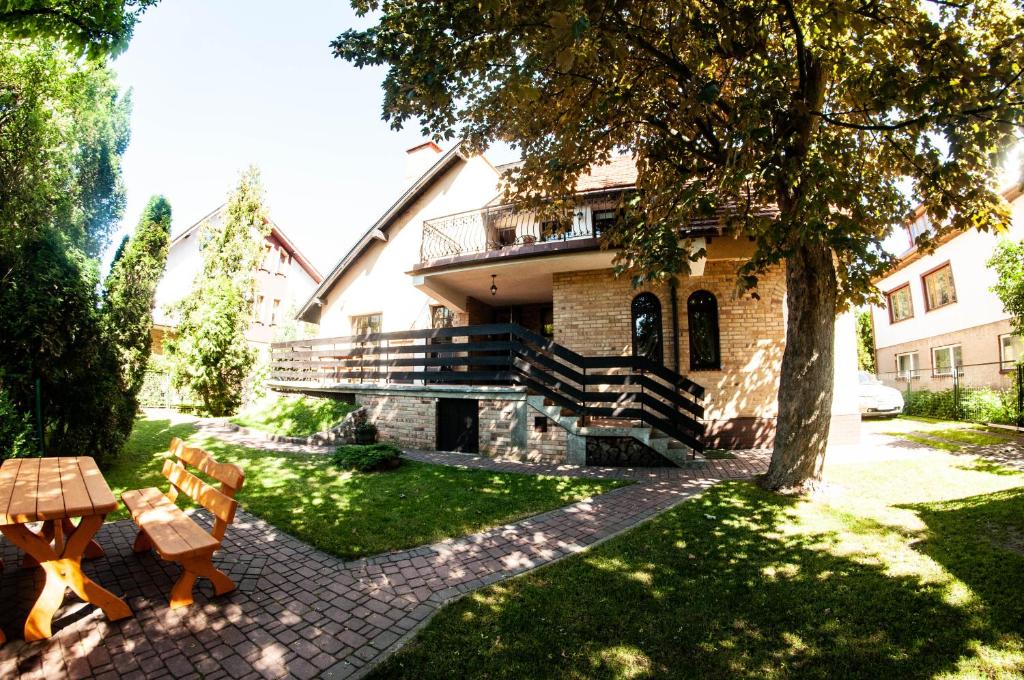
[(466, 324), (941, 319), (284, 279)]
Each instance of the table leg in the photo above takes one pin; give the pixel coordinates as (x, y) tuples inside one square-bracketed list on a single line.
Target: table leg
[(49, 532), (63, 571)]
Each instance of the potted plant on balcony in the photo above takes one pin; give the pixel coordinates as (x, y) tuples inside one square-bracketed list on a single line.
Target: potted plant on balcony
[(365, 433)]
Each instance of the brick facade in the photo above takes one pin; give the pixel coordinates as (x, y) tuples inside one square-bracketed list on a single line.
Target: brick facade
[(593, 317), (411, 420), (403, 419)]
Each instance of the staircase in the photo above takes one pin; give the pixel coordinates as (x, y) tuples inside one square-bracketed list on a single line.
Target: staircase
[(664, 410), (669, 448)]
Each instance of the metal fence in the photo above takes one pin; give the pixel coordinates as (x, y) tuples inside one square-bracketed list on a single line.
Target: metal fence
[(980, 393)]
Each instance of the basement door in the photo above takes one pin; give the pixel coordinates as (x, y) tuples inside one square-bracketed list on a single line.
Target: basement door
[(458, 425)]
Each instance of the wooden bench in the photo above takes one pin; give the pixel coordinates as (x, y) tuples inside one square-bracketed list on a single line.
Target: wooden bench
[(175, 537)]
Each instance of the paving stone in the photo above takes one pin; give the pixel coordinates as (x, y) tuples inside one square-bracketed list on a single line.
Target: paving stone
[(302, 613)]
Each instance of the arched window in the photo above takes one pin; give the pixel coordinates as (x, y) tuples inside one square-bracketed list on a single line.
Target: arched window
[(702, 314), (647, 327)]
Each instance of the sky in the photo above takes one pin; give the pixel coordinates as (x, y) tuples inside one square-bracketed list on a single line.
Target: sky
[(218, 85), (221, 84)]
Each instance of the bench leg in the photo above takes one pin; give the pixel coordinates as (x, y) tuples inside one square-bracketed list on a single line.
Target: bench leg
[(192, 569), (142, 542)]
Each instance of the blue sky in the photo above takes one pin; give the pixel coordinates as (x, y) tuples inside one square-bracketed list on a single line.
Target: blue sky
[(220, 84)]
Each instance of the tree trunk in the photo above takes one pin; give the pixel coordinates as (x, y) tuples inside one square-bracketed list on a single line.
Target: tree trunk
[(805, 386)]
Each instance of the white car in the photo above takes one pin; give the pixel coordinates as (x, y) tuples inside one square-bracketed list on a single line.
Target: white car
[(876, 399)]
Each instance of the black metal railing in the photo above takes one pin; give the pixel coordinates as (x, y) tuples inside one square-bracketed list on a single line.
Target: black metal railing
[(629, 387), (496, 228)]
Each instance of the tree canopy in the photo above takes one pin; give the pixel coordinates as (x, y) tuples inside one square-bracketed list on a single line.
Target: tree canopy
[(130, 291), (1008, 262), (211, 356), (95, 28), (801, 125)]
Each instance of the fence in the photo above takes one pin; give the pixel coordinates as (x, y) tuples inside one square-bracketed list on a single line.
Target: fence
[(980, 393)]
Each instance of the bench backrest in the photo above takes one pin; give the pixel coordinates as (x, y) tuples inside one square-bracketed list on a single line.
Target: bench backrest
[(220, 502)]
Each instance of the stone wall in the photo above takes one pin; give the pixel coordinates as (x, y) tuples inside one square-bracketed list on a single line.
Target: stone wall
[(506, 426), (403, 419), (592, 317)]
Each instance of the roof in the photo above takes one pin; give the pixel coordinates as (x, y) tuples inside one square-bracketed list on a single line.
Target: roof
[(378, 229), (914, 253), (275, 232), (619, 172)]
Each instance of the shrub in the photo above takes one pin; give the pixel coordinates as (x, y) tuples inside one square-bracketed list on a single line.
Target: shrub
[(977, 404), (16, 436), (367, 457), (366, 433)]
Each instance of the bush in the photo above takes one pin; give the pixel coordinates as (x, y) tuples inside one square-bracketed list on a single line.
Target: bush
[(977, 404), (367, 457), (16, 436), (366, 433)]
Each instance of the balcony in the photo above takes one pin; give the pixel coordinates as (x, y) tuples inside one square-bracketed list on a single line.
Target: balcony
[(506, 229)]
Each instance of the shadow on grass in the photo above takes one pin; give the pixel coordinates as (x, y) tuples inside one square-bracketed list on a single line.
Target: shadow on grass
[(718, 587), (354, 514), (980, 540), (295, 416), (142, 458)]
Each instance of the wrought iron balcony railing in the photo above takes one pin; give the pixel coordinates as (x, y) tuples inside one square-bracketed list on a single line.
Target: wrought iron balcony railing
[(490, 229)]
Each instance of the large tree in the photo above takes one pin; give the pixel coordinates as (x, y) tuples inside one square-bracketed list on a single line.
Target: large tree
[(93, 27), (130, 291), (825, 113), (210, 356), (63, 128)]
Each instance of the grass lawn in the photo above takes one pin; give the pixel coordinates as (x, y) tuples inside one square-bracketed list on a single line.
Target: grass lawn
[(907, 568), (950, 436), (294, 416), (352, 514)]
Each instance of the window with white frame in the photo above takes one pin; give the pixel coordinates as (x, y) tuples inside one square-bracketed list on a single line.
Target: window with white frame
[(946, 359), (1011, 351), (907, 365)]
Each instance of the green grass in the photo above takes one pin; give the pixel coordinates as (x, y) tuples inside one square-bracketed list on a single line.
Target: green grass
[(907, 568), (971, 437), (294, 416), (353, 514), (927, 441)]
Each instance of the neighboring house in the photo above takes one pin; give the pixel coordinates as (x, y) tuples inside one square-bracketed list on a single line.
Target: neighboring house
[(592, 370), (284, 279), (941, 316)]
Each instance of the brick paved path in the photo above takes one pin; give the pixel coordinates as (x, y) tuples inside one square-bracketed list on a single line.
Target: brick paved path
[(299, 612)]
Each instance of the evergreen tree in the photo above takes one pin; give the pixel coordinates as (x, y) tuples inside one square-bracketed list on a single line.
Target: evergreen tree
[(130, 291), (211, 356), (63, 130)]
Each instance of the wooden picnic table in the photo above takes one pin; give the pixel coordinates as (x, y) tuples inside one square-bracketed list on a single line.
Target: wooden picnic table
[(52, 491)]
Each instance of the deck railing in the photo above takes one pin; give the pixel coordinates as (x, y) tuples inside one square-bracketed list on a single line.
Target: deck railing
[(626, 387), (489, 229)]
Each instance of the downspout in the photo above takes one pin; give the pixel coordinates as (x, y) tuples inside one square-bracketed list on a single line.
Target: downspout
[(673, 284)]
